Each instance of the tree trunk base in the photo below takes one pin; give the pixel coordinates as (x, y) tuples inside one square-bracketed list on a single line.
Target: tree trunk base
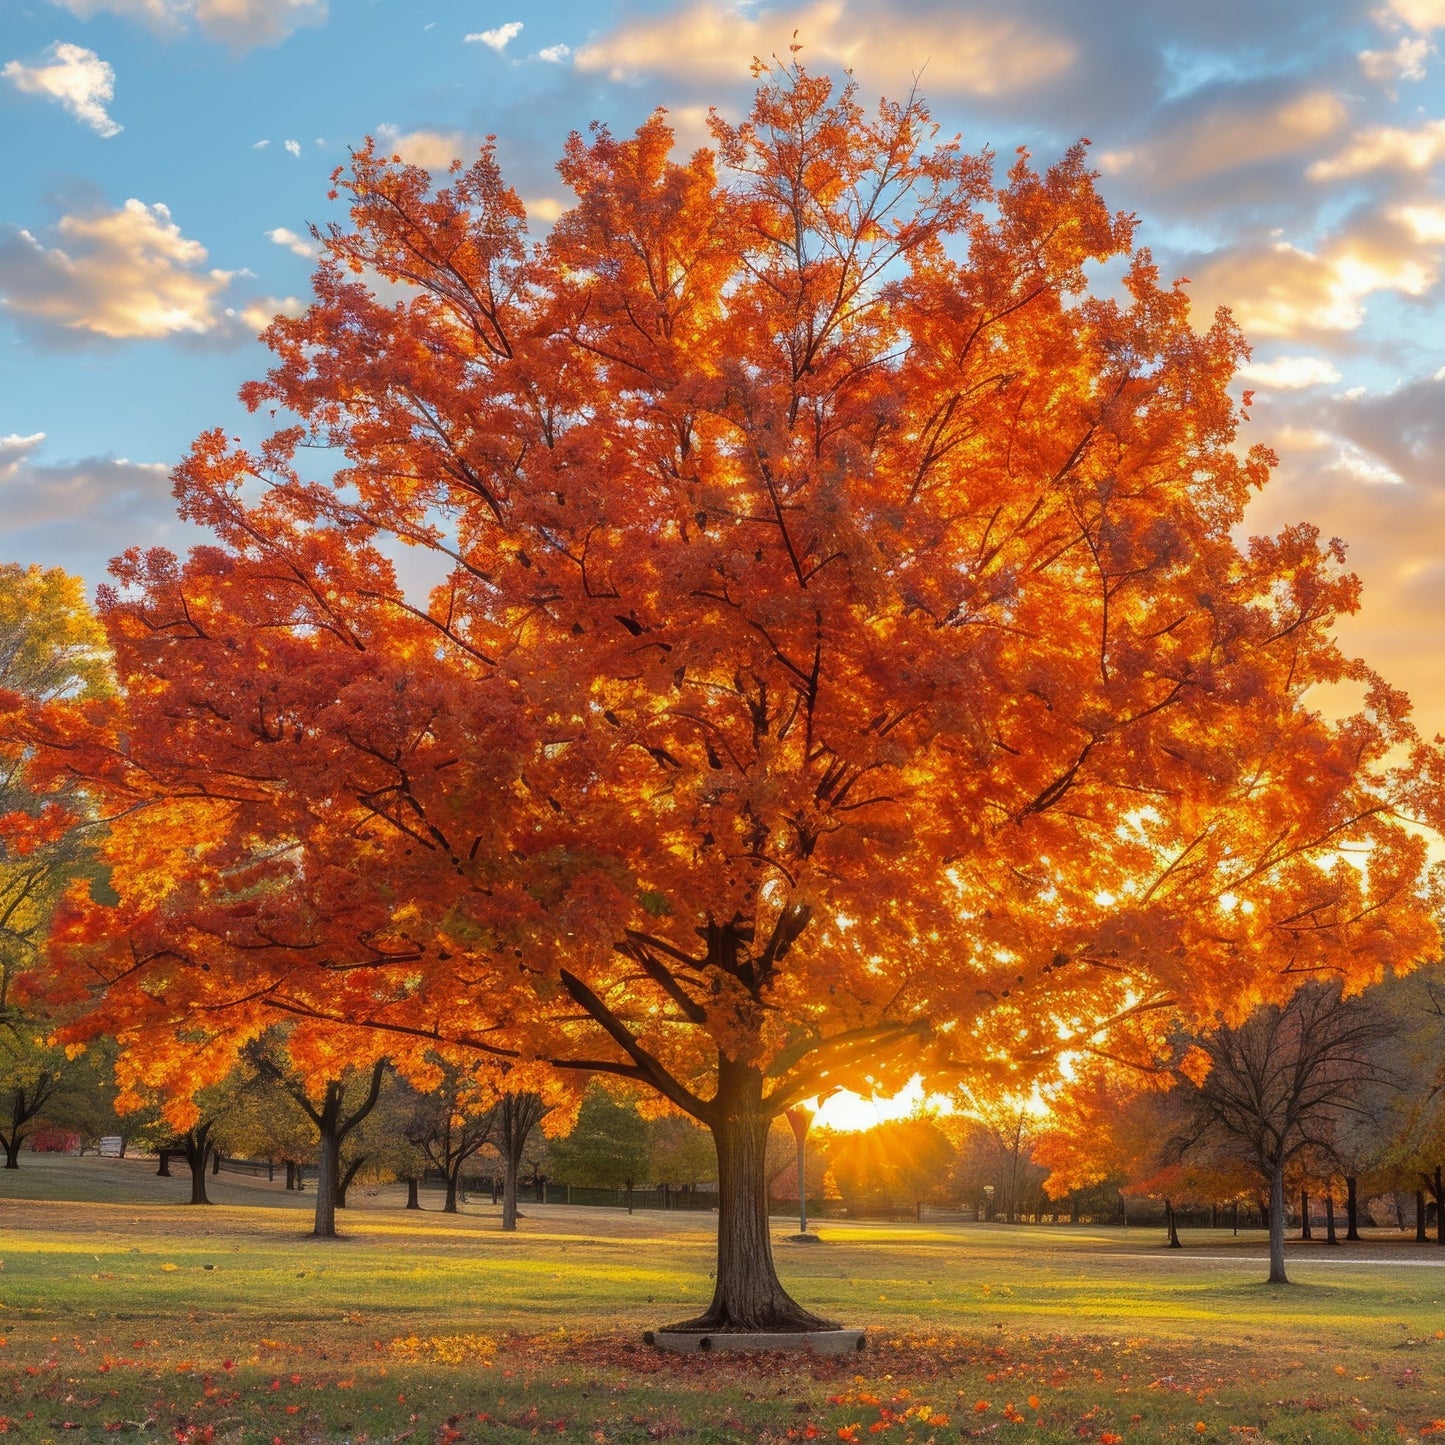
[(783, 1317), (827, 1341)]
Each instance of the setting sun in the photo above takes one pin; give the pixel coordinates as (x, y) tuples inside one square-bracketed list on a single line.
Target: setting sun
[(848, 1113)]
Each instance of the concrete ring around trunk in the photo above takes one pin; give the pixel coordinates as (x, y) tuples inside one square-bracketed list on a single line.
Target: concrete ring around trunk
[(817, 1342)]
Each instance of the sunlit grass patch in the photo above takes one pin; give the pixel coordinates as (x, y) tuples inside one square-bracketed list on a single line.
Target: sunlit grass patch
[(163, 1321)]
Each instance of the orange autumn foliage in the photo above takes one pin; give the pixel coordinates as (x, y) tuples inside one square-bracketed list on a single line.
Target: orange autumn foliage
[(780, 628)]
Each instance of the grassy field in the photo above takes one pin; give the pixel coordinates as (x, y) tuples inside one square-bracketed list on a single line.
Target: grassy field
[(126, 1312)]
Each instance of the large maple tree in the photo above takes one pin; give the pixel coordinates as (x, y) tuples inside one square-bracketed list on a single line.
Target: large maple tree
[(785, 628)]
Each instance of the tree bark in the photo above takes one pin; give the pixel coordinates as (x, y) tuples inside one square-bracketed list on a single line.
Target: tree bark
[(510, 1169), (328, 1166), (1305, 1231), (1352, 1208), (1276, 1225), (518, 1115), (1420, 1235), (453, 1176), (1171, 1234), (24, 1107), (413, 1195), (197, 1146), (1330, 1236), (748, 1295)]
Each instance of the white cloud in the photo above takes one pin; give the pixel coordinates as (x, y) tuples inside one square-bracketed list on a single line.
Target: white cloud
[(78, 78), (16, 449), (297, 245), (294, 147), (555, 54), (433, 150), (1291, 373), (983, 54), (241, 24), (546, 209), (260, 145), (497, 39), (1405, 62), (1385, 147), (79, 514)]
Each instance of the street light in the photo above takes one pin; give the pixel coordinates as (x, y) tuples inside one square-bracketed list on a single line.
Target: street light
[(799, 1118)]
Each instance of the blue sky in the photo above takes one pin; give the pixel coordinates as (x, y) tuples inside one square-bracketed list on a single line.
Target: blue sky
[(167, 158)]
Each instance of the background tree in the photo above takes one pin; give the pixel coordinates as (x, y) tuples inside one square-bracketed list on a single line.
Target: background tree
[(1276, 1081), (267, 1123), (451, 1122), (607, 1147), (681, 1153), (825, 578), (335, 1108), (516, 1130), (403, 1115), (1411, 1153), (52, 650)]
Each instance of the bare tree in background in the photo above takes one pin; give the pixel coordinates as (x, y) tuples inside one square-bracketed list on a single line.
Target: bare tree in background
[(1277, 1083)]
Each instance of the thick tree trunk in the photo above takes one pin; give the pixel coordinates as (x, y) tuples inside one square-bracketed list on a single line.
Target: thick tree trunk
[(1421, 1236), (748, 1295), (453, 1176), (1330, 1236), (1304, 1215), (12, 1150), (163, 1170), (1276, 1226), (518, 1115), (413, 1194), (511, 1167), (197, 1145), (328, 1172), (1352, 1208), (1171, 1234)]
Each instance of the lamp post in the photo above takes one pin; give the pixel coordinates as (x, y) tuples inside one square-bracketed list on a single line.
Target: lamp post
[(799, 1118)]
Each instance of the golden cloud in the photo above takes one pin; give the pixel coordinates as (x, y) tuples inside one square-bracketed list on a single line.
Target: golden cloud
[(1282, 290), (125, 273), (972, 54), (1385, 148), (1291, 373), (1233, 136), (239, 23), (432, 150)]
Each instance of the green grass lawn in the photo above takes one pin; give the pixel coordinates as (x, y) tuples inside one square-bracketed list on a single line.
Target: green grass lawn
[(126, 1312)]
